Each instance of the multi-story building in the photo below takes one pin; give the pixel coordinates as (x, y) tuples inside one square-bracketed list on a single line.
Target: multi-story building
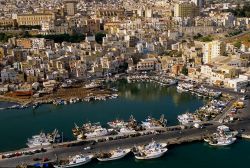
[(186, 9), (70, 5), (34, 18), (199, 3), (7, 22), (213, 49), (148, 64), (8, 75)]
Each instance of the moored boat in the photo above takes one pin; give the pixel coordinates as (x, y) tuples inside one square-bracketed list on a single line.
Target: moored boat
[(113, 155), (151, 151), (75, 161)]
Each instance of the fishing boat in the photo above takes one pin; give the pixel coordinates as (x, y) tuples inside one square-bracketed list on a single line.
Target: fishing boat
[(151, 151), (222, 141), (117, 124), (75, 161), (43, 139), (126, 130), (187, 118), (96, 133), (152, 123), (113, 155)]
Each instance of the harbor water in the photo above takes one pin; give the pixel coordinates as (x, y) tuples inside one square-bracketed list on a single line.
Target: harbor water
[(137, 99), (194, 155)]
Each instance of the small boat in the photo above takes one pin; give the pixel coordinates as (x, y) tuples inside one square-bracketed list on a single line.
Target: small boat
[(35, 106), (113, 155), (77, 160)]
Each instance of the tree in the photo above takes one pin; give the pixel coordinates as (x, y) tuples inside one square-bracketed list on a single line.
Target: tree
[(184, 70), (4, 37), (237, 44), (99, 37)]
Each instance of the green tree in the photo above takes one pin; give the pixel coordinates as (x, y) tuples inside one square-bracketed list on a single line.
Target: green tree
[(184, 70), (99, 37), (237, 44)]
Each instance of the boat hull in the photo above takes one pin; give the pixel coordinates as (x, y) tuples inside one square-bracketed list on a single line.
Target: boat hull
[(114, 158), (151, 156), (73, 165)]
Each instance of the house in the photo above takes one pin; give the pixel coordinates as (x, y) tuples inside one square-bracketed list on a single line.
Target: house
[(237, 83), (9, 75)]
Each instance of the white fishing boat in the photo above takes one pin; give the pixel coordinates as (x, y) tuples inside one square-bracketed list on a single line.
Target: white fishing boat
[(222, 141), (44, 139), (187, 118), (126, 130), (151, 154), (117, 124), (77, 160), (151, 151), (152, 123), (97, 133), (113, 155)]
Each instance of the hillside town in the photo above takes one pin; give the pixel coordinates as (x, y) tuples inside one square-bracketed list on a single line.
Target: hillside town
[(45, 44)]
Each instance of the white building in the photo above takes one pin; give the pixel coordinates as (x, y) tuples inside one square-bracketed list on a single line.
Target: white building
[(212, 50), (148, 64), (8, 75), (237, 83)]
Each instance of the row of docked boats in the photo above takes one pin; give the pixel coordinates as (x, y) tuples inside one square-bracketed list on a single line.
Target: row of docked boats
[(199, 91), (120, 127), (223, 137), (204, 113), (163, 81), (149, 151)]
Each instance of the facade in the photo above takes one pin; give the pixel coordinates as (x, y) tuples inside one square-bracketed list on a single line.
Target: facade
[(8, 75), (212, 50), (237, 84), (7, 22), (70, 5), (199, 3), (186, 9), (34, 18), (148, 64)]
